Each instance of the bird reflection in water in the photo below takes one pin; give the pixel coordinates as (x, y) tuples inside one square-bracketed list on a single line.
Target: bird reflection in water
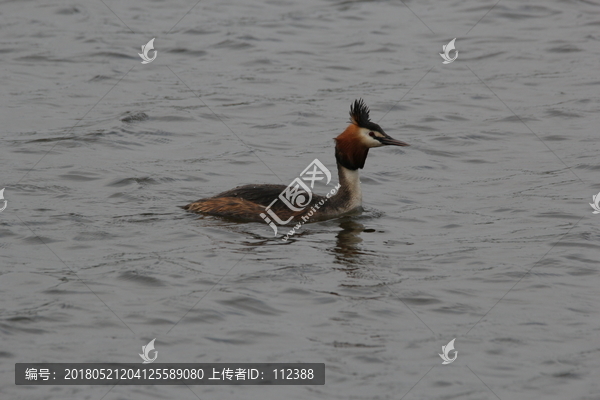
[(347, 250)]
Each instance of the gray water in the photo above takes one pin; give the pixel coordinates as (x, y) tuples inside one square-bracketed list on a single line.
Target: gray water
[(480, 231)]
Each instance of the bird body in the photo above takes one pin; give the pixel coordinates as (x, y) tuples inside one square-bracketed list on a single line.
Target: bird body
[(248, 202)]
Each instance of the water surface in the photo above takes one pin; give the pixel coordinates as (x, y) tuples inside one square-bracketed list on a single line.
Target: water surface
[(480, 231)]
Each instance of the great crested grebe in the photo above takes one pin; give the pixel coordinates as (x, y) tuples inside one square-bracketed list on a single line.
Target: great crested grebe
[(351, 148)]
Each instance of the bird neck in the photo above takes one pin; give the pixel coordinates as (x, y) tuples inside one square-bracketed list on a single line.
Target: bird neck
[(349, 196)]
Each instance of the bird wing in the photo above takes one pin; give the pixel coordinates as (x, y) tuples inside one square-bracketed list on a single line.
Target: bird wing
[(263, 195)]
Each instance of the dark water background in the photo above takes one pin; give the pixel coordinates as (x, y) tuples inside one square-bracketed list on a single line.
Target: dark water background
[(480, 231)]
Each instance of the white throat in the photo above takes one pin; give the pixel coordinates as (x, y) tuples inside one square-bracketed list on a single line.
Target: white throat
[(350, 184)]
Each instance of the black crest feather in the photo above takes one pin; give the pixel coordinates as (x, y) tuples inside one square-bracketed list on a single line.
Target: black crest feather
[(359, 113)]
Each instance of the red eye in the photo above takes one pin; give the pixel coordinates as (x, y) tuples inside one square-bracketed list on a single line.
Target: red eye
[(372, 134)]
